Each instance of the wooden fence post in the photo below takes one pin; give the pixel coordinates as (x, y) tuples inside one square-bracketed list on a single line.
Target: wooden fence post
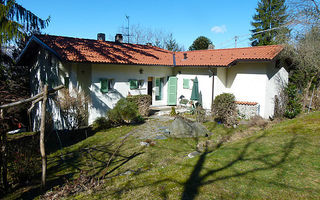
[(42, 132)]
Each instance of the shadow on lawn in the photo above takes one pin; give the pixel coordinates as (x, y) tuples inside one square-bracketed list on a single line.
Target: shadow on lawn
[(198, 178)]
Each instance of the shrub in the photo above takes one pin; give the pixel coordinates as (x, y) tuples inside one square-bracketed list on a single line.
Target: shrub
[(258, 121), (224, 109), (293, 107), (101, 123), (173, 111), (200, 114), (143, 102), (124, 112), (73, 105)]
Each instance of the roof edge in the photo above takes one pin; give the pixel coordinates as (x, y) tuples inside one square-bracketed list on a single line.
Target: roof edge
[(38, 41)]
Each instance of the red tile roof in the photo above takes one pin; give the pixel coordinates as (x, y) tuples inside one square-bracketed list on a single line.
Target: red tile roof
[(86, 50), (246, 103), (226, 57)]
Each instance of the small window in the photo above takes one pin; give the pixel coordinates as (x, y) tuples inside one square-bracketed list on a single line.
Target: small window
[(186, 83), (133, 84)]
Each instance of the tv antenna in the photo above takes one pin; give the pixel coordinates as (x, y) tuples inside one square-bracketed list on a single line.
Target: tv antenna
[(128, 29)]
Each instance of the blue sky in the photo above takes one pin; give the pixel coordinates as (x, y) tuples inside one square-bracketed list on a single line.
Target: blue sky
[(219, 20)]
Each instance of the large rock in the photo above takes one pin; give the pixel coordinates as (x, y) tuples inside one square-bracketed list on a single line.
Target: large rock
[(182, 127)]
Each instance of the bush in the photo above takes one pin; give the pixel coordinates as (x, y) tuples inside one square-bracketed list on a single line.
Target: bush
[(143, 102), (124, 112), (73, 105), (293, 107), (200, 114), (101, 123), (225, 109), (173, 112)]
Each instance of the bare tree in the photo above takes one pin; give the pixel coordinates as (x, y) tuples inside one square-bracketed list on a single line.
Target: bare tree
[(305, 13)]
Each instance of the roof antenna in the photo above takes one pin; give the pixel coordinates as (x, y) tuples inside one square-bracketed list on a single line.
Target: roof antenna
[(128, 28)]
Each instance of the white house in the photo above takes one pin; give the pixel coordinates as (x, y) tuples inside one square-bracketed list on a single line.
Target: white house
[(108, 71)]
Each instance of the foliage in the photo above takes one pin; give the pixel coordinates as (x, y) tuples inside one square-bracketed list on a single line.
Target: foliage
[(101, 123), (200, 43), (173, 111), (172, 45), (124, 112), (200, 114), (225, 109), (143, 102), (74, 107), (270, 14), (293, 107), (15, 21)]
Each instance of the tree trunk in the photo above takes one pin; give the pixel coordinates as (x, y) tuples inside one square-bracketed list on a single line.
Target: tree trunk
[(4, 153), (42, 132), (306, 95)]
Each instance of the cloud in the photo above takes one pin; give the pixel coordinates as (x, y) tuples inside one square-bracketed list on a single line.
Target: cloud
[(219, 29)]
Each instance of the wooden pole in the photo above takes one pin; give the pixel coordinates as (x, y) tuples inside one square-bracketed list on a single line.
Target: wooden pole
[(3, 139), (42, 131)]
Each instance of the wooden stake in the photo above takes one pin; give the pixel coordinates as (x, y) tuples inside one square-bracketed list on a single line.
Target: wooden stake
[(42, 132)]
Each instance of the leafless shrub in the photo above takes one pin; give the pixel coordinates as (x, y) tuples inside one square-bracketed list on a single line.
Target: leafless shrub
[(84, 183), (316, 100), (74, 107)]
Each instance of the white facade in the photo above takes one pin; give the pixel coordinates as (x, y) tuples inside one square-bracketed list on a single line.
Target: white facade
[(248, 81)]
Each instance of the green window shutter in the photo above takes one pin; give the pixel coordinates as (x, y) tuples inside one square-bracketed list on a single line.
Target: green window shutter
[(104, 85), (172, 91), (186, 84), (133, 84)]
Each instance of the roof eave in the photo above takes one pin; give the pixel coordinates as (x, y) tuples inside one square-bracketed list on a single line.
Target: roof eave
[(42, 44)]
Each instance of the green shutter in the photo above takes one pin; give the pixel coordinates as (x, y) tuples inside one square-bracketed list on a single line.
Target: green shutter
[(104, 85), (186, 83), (158, 87), (172, 91), (133, 84)]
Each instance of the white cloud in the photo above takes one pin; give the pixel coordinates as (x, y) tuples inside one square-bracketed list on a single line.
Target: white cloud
[(219, 29)]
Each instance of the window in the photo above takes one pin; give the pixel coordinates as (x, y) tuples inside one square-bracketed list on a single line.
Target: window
[(136, 84), (106, 85), (186, 83), (159, 85)]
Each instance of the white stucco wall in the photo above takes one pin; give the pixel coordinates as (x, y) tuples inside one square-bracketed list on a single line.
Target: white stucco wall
[(204, 82), (254, 82), (121, 74)]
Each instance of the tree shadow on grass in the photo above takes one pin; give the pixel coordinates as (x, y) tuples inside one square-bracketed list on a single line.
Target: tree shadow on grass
[(202, 176)]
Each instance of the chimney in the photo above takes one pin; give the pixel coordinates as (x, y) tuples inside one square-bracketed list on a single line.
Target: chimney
[(185, 56), (119, 38), (101, 36), (149, 44)]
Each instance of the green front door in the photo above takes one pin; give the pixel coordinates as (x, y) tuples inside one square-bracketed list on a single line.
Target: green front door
[(172, 91)]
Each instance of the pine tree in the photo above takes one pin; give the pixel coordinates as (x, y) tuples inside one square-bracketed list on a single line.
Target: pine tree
[(270, 14), (15, 21)]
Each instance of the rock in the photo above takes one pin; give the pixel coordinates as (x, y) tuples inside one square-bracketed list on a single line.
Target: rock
[(193, 154), (144, 143), (182, 127)]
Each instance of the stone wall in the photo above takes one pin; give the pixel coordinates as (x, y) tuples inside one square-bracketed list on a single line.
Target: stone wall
[(247, 111)]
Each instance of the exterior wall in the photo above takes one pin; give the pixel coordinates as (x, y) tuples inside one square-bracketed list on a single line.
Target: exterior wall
[(248, 111), (204, 81), (121, 74), (47, 69), (255, 82), (277, 79)]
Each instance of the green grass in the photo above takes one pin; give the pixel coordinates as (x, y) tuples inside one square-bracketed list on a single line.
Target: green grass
[(281, 162)]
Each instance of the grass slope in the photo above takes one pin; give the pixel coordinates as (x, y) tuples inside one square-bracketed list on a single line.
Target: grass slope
[(281, 162)]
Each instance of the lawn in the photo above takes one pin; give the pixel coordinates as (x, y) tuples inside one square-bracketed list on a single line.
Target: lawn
[(280, 162)]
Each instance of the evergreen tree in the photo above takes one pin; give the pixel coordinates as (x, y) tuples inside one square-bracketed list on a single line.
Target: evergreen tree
[(270, 14), (200, 43), (172, 45), (15, 21)]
